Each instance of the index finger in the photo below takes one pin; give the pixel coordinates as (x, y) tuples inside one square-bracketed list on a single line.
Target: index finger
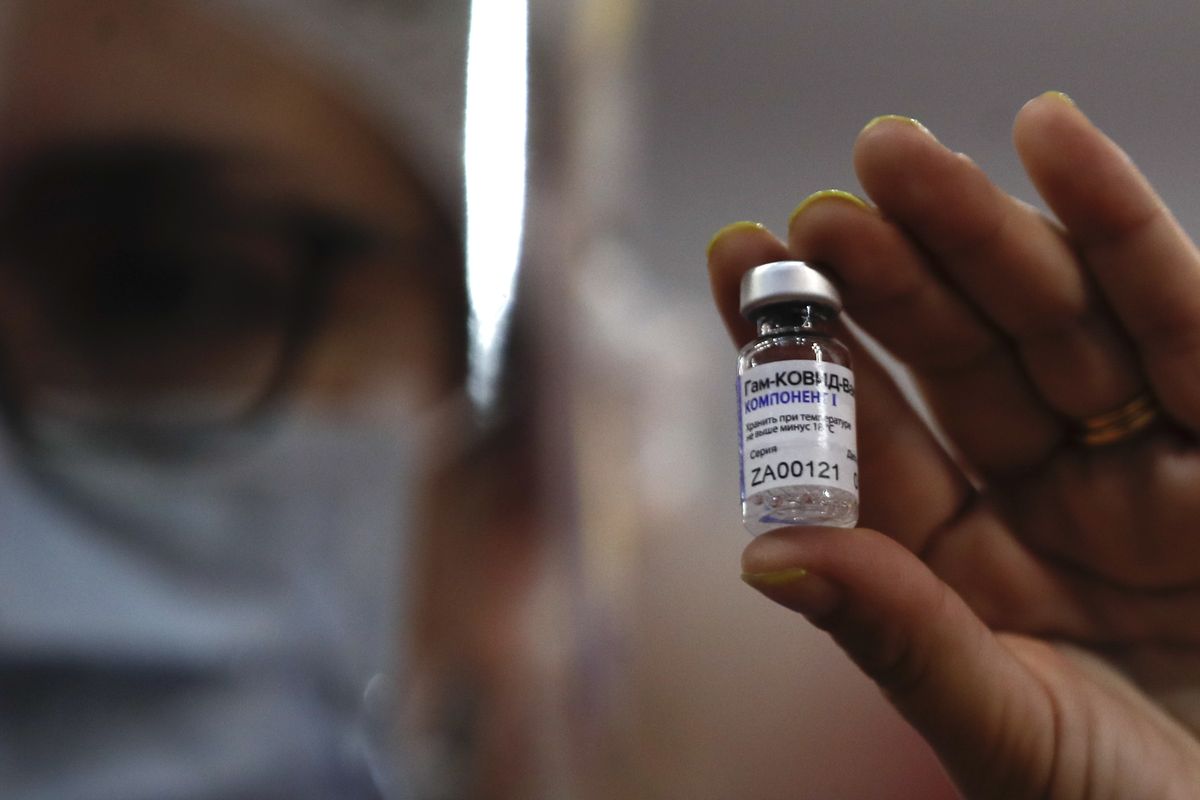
[(734, 250)]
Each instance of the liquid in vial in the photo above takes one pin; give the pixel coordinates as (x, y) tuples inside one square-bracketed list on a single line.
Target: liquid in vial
[(795, 386)]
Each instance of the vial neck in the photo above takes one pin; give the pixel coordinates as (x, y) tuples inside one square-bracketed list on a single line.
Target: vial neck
[(796, 318)]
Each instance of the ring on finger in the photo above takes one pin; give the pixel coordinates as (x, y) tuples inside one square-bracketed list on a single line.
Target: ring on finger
[(1119, 424)]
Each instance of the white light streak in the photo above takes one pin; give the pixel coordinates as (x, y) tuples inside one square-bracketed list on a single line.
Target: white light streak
[(494, 155)]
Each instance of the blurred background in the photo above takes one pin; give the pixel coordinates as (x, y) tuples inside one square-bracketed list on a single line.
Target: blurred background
[(737, 111), (577, 627)]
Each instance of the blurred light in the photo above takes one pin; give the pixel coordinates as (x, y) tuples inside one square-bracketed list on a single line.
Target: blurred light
[(495, 161)]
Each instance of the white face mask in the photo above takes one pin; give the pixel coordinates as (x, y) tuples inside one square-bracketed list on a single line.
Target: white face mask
[(280, 563)]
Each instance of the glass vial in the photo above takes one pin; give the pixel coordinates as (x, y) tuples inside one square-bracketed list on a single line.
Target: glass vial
[(795, 403)]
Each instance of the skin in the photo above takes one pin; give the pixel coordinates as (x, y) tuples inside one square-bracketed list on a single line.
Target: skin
[(1030, 604)]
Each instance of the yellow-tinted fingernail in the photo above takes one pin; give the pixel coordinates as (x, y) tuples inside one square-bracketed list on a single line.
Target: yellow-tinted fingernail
[(732, 227), (1062, 97), (784, 577), (797, 589), (827, 194), (898, 118)]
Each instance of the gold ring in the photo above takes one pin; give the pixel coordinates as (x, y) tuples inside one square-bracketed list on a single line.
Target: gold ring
[(1117, 426)]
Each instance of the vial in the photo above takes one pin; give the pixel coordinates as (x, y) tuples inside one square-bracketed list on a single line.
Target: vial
[(795, 391)]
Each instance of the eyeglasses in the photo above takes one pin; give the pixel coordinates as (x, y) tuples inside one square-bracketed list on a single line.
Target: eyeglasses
[(139, 293)]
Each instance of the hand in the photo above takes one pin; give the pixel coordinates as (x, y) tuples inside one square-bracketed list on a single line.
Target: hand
[(1034, 607)]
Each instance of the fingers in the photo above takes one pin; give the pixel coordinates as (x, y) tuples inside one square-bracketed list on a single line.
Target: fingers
[(1007, 261), (978, 273), (1148, 268), (973, 381), (910, 484), (984, 713)]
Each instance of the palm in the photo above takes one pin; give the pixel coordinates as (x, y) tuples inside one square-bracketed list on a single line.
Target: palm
[(1110, 739), (1131, 510), (1113, 565), (1014, 326), (1098, 545)]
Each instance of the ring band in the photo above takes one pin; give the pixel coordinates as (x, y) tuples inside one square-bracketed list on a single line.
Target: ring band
[(1116, 426)]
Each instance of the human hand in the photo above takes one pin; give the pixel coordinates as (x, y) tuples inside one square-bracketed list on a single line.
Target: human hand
[(1034, 607)]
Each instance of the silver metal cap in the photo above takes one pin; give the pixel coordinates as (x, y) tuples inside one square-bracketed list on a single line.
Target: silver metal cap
[(787, 281)]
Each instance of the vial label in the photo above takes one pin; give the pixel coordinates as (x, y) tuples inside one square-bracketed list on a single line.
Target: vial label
[(797, 420)]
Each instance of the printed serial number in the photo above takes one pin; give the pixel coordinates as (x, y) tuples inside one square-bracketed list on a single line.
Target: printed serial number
[(820, 470)]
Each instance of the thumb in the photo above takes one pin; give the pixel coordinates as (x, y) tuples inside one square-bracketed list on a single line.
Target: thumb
[(984, 713)]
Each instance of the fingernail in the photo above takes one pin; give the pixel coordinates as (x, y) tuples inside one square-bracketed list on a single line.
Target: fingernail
[(798, 589), (1061, 97), (898, 118), (745, 225), (827, 194)]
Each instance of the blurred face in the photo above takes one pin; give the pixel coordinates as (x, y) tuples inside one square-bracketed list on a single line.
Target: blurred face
[(191, 224)]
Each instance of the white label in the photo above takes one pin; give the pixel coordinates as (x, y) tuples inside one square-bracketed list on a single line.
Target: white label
[(797, 421)]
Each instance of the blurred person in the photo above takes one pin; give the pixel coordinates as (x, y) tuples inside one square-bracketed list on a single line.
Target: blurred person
[(232, 349), (1031, 601)]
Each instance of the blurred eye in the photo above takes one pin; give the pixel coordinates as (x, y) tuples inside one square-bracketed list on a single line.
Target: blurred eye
[(135, 276), (140, 327), (151, 297), (139, 290)]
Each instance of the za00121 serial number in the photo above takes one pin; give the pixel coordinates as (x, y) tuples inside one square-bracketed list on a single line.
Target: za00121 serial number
[(784, 470)]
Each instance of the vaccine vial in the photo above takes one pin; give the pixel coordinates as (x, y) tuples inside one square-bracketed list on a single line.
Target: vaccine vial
[(795, 403)]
